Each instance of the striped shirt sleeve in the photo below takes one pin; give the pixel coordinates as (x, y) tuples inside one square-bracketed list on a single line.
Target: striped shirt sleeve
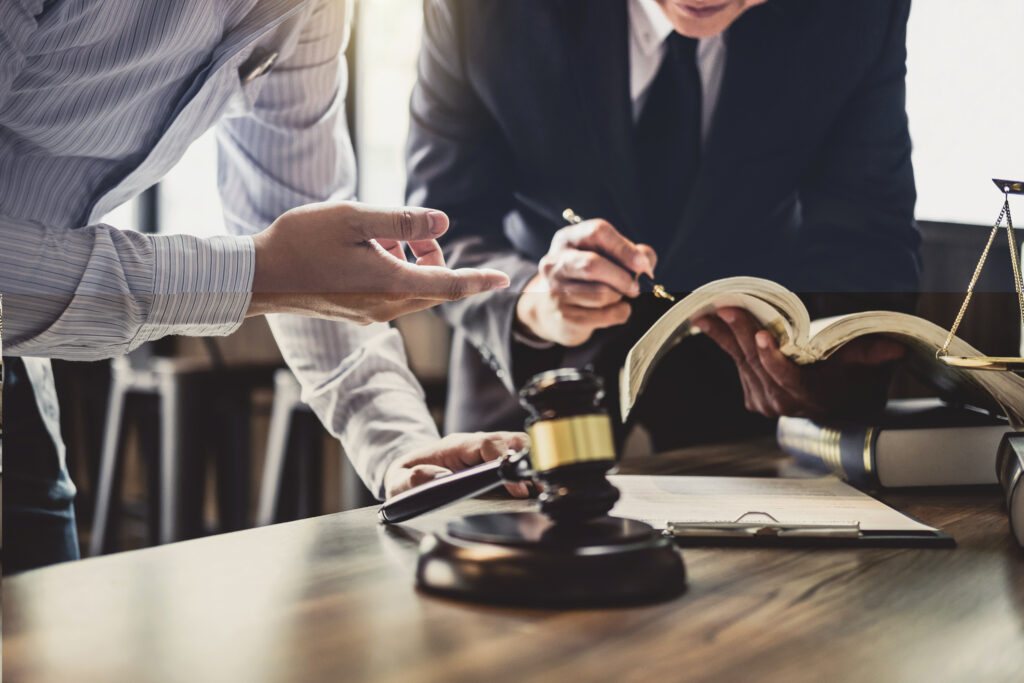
[(358, 382), (97, 292), (293, 148)]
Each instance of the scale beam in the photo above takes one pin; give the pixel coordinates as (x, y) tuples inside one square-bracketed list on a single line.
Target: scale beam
[(1009, 186)]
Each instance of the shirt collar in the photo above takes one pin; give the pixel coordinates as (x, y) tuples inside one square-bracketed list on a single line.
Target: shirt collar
[(649, 25)]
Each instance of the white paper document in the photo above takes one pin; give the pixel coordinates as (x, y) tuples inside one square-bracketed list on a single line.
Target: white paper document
[(659, 500)]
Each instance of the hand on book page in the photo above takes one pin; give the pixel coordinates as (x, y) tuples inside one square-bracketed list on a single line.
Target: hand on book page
[(851, 381), (807, 343)]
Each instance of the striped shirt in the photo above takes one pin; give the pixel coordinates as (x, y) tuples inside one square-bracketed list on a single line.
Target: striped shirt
[(98, 100)]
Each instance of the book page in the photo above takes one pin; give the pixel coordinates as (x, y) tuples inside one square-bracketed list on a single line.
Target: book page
[(659, 500)]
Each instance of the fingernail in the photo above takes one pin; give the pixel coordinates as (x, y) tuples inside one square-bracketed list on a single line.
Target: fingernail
[(728, 315), (438, 222), (640, 263), (762, 340)]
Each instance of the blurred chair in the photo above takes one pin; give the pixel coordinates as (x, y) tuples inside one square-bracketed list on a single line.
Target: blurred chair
[(186, 410), (290, 486)]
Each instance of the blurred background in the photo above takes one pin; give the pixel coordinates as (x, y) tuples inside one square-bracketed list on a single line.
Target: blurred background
[(129, 416)]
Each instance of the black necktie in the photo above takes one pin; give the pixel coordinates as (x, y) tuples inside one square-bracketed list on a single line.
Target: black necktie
[(667, 139)]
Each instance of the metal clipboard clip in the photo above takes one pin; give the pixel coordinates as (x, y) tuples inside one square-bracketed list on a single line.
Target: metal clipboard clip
[(746, 528)]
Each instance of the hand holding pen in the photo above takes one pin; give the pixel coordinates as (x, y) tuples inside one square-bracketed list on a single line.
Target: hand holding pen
[(589, 270), (646, 282)]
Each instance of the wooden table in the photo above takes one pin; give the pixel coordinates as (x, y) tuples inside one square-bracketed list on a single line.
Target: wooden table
[(332, 598)]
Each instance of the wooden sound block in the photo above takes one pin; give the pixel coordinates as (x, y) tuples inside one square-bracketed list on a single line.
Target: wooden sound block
[(524, 559)]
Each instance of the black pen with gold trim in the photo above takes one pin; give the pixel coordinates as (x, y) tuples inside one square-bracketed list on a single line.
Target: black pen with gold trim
[(643, 279)]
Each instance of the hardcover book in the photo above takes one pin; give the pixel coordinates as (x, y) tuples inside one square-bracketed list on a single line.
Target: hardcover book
[(915, 442)]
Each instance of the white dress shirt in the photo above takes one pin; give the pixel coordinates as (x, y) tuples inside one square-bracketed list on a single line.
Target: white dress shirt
[(649, 28), (98, 100)]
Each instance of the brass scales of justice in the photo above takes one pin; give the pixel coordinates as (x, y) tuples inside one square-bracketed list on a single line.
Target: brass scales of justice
[(1001, 363)]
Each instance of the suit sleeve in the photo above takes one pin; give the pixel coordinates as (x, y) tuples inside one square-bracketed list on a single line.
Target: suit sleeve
[(858, 232), (457, 162)]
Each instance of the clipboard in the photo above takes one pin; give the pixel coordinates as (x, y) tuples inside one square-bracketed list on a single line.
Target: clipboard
[(768, 512), (748, 530)]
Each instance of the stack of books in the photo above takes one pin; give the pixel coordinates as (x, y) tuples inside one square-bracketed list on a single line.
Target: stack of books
[(915, 442)]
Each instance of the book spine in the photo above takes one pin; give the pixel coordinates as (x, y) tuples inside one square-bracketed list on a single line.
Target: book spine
[(1010, 470), (847, 451)]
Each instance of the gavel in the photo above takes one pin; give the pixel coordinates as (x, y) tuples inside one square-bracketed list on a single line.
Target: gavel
[(569, 554), (571, 451)]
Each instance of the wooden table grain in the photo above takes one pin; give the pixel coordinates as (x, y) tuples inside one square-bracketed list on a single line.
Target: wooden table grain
[(332, 599)]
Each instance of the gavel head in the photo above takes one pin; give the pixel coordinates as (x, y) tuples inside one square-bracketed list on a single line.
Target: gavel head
[(572, 447)]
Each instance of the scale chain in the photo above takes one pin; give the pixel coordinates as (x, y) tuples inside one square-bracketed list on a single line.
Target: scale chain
[(1017, 282), (977, 272)]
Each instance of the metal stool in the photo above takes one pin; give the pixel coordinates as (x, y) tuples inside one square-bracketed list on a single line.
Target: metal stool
[(190, 396), (294, 428)]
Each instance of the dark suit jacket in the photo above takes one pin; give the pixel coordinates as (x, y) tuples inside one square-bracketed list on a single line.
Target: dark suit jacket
[(522, 108)]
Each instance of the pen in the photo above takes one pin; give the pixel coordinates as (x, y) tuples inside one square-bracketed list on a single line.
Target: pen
[(644, 280)]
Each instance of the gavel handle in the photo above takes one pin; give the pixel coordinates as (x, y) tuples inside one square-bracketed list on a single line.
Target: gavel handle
[(441, 492)]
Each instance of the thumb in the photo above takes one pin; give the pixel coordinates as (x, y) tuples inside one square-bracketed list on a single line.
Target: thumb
[(441, 284), (406, 223)]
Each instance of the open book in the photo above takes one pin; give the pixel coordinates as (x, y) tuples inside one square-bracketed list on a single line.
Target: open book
[(782, 313)]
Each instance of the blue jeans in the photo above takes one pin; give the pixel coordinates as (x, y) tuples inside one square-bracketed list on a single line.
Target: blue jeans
[(38, 496)]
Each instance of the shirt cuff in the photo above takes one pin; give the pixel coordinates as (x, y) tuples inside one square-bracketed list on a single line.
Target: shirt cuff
[(201, 287)]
